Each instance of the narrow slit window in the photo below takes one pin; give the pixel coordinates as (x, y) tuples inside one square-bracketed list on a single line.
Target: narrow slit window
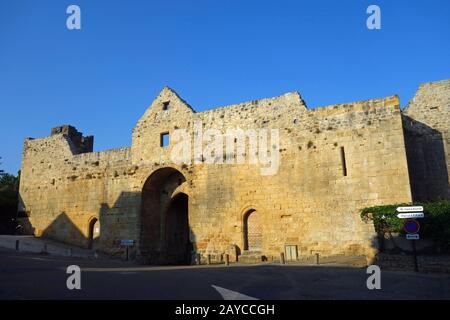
[(343, 162), (164, 139), (166, 105)]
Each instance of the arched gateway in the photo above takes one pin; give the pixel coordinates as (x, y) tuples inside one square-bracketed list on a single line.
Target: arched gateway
[(93, 232), (165, 233)]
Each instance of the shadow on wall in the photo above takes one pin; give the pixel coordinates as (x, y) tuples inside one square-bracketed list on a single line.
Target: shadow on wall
[(100, 231), (427, 164), (162, 233), (23, 219), (62, 228), (90, 231)]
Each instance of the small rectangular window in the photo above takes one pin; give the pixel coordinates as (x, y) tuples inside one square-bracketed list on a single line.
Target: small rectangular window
[(164, 139), (166, 105), (343, 162)]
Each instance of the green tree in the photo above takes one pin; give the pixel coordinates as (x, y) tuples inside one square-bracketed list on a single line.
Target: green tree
[(1, 171), (9, 197), (435, 225)]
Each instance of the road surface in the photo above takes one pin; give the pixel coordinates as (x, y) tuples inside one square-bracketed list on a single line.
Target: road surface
[(36, 276)]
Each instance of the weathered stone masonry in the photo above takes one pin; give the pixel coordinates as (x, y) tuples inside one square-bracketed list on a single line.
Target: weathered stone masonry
[(427, 132), (334, 161)]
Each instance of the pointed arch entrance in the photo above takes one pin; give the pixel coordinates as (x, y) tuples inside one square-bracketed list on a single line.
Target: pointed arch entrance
[(165, 232), (252, 231), (93, 232)]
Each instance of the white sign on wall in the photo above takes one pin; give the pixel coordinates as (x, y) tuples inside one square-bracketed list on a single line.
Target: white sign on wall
[(410, 215), (410, 209)]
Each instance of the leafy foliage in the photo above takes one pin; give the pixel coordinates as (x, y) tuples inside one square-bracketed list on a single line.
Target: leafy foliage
[(1, 171), (435, 225), (9, 194)]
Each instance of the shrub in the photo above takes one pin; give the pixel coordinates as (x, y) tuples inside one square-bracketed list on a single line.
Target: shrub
[(435, 225)]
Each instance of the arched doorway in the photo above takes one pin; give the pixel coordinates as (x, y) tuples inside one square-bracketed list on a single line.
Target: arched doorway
[(178, 245), (164, 219), (93, 232), (252, 231)]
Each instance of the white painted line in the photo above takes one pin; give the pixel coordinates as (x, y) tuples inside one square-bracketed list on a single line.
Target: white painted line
[(232, 295)]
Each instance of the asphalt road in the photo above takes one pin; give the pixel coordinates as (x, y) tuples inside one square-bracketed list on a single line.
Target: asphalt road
[(34, 276)]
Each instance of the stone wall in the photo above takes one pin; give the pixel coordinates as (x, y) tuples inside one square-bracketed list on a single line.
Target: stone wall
[(427, 134), (62, 191), (334, 160), (425, 263)]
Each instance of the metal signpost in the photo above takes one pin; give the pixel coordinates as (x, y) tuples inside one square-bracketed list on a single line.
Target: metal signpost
[(127, 243), (411, 226)]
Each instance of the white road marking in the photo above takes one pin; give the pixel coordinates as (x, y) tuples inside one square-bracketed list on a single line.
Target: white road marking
[(232, 295)]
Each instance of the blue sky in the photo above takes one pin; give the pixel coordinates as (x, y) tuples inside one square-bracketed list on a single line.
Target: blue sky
[(218, 52)]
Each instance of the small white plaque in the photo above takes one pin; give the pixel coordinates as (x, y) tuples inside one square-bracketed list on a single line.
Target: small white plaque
[(412, 236)]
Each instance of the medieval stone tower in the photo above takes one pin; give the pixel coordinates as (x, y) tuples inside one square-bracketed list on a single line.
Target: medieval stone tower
[(333, 161)]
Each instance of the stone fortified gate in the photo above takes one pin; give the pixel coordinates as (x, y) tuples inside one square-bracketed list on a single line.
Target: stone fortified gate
[(334, 160)]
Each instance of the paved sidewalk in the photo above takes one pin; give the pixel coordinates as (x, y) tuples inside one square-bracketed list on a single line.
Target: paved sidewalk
[(34, 244), (46, 246)]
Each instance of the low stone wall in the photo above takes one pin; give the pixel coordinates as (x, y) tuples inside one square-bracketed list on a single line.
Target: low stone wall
[(396, 243), (431, 264)]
